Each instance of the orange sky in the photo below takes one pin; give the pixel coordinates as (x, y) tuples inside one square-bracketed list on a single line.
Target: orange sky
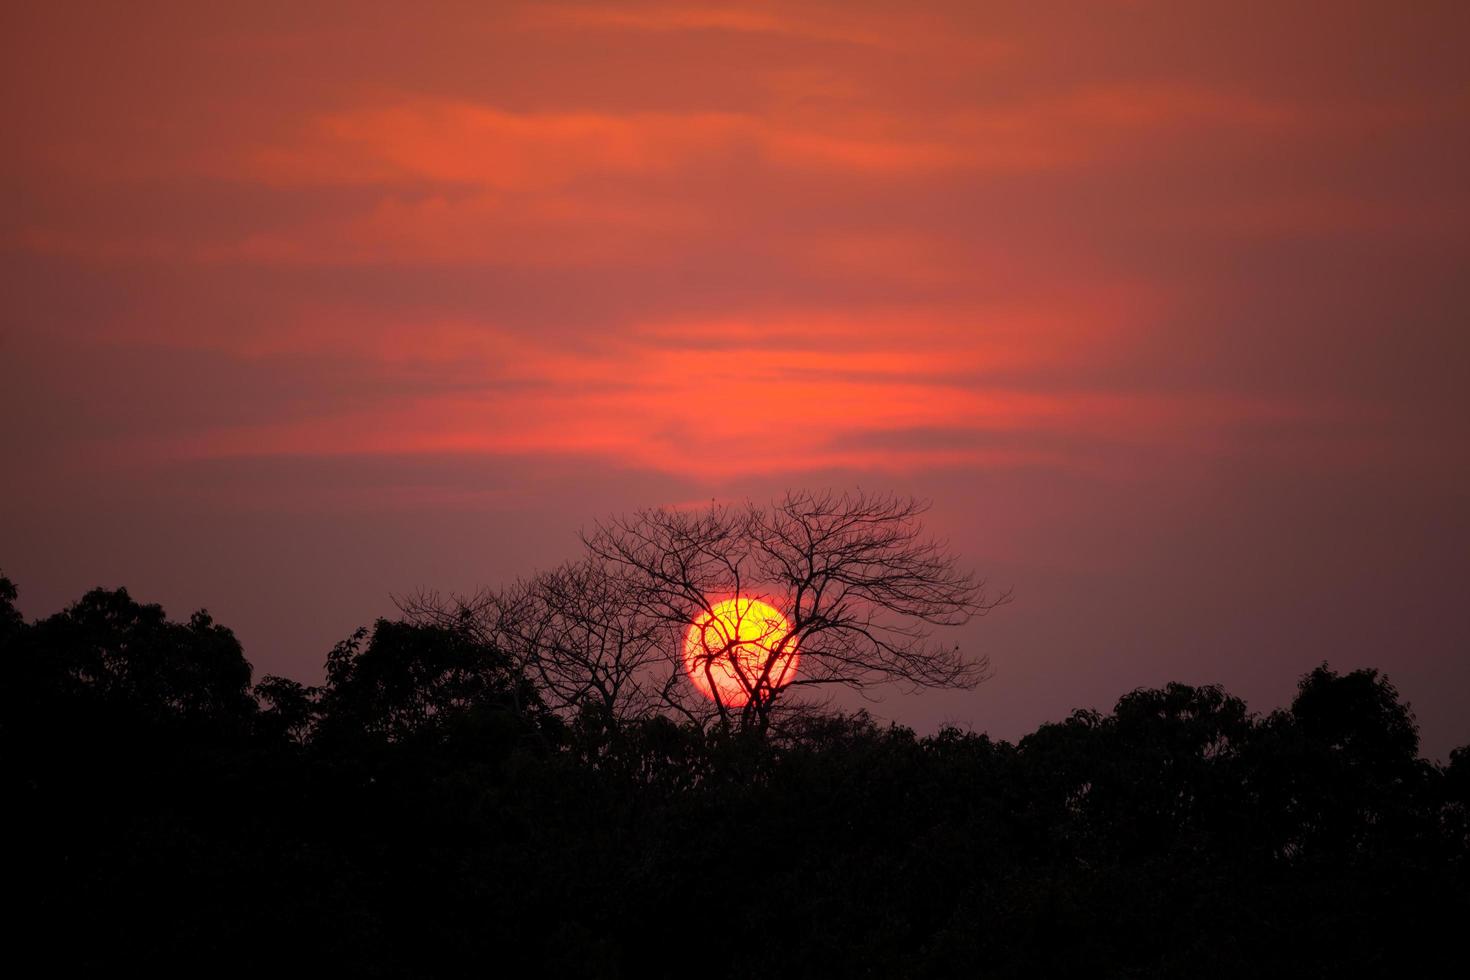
[(1165, 304)]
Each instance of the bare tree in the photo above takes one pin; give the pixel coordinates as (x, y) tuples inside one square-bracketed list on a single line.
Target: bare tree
[(829, 589), (581, 632), (861, 586), (586, 637)]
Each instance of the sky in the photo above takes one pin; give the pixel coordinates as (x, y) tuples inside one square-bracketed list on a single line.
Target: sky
[(1164, 305)]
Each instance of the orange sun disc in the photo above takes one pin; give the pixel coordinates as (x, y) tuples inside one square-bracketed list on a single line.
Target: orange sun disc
[(729, 649)]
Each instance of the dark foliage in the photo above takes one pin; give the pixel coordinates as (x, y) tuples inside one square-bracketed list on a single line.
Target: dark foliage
[(423, 814)]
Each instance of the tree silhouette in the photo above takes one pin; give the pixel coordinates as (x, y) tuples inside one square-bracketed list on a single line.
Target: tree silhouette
[(404, 680), (423, 813), (861, 587), (108, 648), (581, 631), (290, 708), (11, 620), (1339, 765)]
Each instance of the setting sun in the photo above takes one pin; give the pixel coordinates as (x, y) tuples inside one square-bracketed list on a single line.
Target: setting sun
[(728, 648)]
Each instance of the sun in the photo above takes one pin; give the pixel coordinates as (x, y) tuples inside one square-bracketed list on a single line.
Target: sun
[(728, 648)]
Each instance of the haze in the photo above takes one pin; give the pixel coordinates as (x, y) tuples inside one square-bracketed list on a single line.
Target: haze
[(1163, 304)]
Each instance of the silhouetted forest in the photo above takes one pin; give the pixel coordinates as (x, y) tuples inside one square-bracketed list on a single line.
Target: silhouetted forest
[(424, 813)]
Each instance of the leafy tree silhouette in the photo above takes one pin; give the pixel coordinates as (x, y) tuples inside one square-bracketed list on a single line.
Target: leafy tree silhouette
[(407, 680), (289, 708), (117, 656), (11, 620), (1340, 771)]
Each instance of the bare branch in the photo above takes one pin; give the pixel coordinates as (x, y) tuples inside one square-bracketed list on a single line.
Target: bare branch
[(862, 586)]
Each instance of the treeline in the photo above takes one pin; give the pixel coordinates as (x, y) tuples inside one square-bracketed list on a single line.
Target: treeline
[(423, 813)]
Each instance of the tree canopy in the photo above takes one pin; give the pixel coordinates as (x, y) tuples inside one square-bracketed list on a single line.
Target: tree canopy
[(424, 812)]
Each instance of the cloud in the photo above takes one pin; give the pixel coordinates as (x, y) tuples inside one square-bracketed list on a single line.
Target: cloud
[(452, 142), (716, 399), (841, 23), (473, 145)]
